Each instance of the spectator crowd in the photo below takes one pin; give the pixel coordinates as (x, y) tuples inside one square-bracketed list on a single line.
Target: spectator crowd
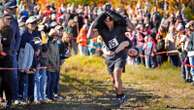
[(37, 41)]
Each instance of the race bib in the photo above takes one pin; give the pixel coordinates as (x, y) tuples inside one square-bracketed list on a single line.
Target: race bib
[(113, 43)]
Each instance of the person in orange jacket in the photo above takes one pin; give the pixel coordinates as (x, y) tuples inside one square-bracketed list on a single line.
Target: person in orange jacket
[(82, 41)]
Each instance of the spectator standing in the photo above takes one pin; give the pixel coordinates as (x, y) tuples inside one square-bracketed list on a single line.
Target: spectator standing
[(6, 60), (72, 31), (53, 64), (160, 47), (170, 40), (149, 51), (82, 40), (190, 33), (10, 8), (25, 59)]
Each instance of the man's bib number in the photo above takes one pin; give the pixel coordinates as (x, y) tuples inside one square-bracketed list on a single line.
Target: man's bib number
[(113, 43)]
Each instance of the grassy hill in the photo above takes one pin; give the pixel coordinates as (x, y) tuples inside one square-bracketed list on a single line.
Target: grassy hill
[(87, 86), (161, 88)]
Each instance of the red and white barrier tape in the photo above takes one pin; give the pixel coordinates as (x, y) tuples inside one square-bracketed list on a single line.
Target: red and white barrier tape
[(158, 53), (21, 68)]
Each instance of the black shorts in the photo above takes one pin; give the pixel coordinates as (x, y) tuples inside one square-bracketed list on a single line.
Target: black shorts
[(116, 61)]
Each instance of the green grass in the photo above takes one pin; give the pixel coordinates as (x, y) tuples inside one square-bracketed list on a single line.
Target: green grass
[(87, 86), (161, 88)]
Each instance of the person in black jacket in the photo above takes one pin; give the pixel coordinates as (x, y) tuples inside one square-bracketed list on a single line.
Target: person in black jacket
[(10, 7), (6, 59)]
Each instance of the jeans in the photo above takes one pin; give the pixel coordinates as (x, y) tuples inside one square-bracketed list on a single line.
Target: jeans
[(191, 61), (159, 59), (149, 61), (40, 79), (14, 79), (139, 59), (27, 86), (23, 85), (183, 71), (74, 47), (83, 50), (51, 80), (56, 83), (175, 61)]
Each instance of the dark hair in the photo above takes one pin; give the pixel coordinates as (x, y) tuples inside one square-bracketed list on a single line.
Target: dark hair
[(107, 7)]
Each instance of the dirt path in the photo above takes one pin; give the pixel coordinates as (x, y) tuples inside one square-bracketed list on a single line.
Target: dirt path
[(81, 96)]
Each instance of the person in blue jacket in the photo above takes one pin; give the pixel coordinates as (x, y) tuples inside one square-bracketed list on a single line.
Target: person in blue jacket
[(25, 59)]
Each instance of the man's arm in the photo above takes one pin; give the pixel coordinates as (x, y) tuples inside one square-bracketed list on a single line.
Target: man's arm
[(122, 46), (121, 20), (96, 25), (92, 32)]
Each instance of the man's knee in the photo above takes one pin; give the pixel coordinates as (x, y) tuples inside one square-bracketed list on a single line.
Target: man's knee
[(117, 72)]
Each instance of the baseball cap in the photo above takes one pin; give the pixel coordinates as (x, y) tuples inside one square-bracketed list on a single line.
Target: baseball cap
[(10, 5), (31, 19)]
